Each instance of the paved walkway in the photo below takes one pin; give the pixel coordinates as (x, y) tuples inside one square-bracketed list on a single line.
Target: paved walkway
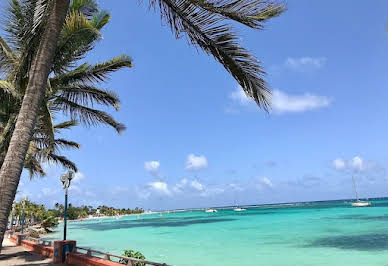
[(13, 255)]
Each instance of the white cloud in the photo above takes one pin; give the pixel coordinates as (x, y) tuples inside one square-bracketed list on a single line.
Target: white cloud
[(152, 167), (239, 96), (195, 163), (208, 192), (49, 191), (281, 102), (180, 185), (357, 163), (159, 187), (339, 164), (78, 177), (267, 182), (196, 185), (75, 188), (118, 189), (236, 187), (305, 63)]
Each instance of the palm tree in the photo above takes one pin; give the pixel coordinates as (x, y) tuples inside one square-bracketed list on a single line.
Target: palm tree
[(70, 89), (204, 22), (67, 90)]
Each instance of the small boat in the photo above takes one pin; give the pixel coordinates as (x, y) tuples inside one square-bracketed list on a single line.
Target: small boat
[(238, 209), (211, 210), (359, 203)]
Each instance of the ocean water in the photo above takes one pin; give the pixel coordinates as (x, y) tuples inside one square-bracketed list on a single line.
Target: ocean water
[(318, 233)]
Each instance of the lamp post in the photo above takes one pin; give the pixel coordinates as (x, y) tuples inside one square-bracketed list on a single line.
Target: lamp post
[(66, 179), (12, 215), (24, 205)]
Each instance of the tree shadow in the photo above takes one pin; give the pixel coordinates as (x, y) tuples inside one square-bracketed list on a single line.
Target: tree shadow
[(25, 256)]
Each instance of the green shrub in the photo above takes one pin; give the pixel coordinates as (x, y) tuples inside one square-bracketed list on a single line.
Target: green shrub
[(132, 254), (49, 222)]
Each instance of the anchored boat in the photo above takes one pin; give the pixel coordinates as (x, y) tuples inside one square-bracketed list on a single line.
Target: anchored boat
[(359, 203)]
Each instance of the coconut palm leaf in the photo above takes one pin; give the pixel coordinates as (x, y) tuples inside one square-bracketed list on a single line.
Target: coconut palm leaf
[(207, 30), (44, 127), (65, 125), (76, 39), (34, 167), (251, 13), (66, 144), (100, 19), (7, 89), (85, 115), (7, 58), (58, 159), (89, 95), (86, 7), (87, 73)]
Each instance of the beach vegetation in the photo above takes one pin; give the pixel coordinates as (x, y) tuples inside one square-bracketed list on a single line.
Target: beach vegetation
[(72, 90), (133, 254)]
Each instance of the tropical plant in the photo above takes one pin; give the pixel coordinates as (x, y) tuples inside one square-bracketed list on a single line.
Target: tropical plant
[(204, 22), (49, 222), (132, 254), (70, 89)]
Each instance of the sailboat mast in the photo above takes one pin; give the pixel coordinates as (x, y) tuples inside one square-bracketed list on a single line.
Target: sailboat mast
[(355, 187)]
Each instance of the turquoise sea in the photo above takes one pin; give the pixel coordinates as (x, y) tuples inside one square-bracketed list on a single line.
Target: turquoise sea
[(315, 233)]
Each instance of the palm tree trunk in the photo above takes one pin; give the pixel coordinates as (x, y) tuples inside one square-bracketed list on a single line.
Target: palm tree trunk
[(13, 163)]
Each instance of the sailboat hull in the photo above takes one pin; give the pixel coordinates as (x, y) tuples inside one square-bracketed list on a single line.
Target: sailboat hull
[(361, 204)]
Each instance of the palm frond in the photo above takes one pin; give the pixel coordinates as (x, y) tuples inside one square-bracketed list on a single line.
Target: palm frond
[(44, 128), (58, 159), (25, 25), (65, 125), (206, 30), (86, 7), (6, 134), (76, 39), (251, 13), (86, 115), (100, 19), (89, 95), (7, 58), (87, 73), (67, 144), (7, 89), (33, 165)]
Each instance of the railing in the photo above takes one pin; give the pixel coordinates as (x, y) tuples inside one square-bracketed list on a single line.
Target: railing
[(108, 256), (40, 241)]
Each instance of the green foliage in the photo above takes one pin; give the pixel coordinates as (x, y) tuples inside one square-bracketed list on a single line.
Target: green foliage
[(72, 88), (49, 223), (132, 254), (36, 214), (84, 211)]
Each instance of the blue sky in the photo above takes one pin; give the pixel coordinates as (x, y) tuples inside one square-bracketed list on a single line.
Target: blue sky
[(194, 140)]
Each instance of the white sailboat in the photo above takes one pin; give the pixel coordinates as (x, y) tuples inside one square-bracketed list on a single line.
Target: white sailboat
[(237, 209), (358, 202)]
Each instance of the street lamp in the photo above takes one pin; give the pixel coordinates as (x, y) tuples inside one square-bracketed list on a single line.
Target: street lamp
[(24, 199), (12, 215), (66, 179)]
